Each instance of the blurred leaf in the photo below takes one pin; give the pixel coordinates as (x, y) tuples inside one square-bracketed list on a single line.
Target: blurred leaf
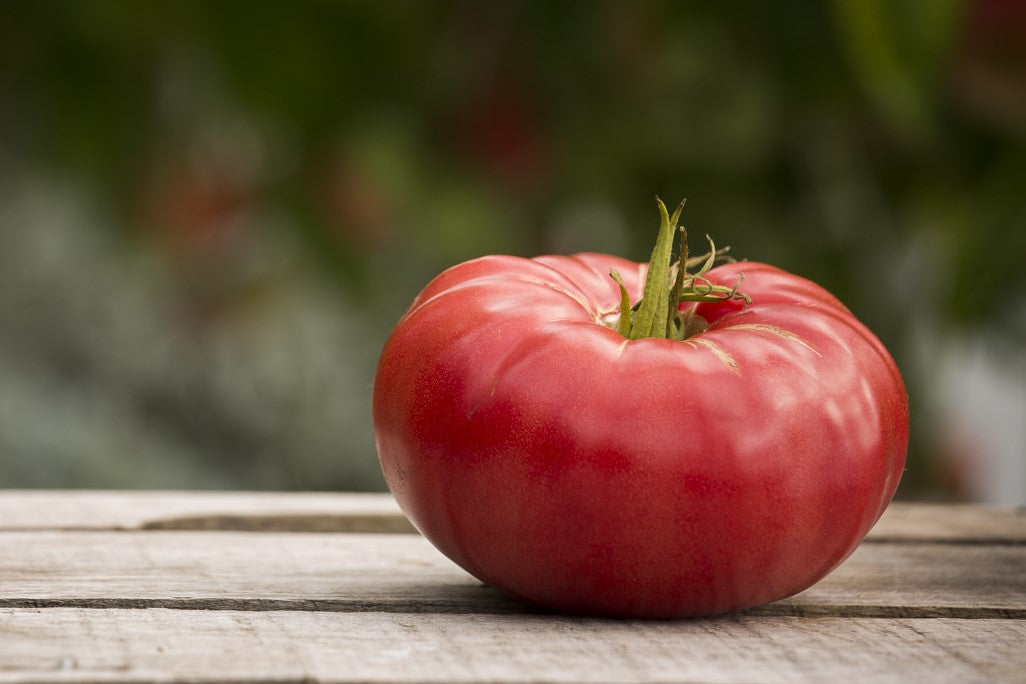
[(898, 49)]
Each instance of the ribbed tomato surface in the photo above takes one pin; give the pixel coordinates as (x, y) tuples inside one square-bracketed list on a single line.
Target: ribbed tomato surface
[(576, 470)]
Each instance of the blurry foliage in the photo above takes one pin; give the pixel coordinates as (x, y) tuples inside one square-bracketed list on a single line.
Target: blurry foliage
[(276, 181)]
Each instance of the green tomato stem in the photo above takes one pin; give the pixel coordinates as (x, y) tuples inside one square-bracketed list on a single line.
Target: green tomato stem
[(623, 326), (669, 284), (648, 322)]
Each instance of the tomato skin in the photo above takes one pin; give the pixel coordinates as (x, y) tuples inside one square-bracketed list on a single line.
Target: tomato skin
[(576, 470)]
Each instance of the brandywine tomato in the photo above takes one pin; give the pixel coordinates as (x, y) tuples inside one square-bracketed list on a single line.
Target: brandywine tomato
[(580, 456)]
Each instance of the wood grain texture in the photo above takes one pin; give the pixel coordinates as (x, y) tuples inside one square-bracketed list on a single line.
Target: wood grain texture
[(243, 511), (905, 522), (368, 572), (378, 513), (72, 645)]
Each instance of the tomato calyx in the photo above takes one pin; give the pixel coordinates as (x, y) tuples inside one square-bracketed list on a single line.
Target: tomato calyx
[(669, 284)]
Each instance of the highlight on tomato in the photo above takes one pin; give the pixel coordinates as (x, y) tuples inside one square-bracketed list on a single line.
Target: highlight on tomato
[(684, 437)]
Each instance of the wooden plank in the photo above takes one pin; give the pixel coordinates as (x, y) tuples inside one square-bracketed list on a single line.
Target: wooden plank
[(367, 572), (74, 645), (903, 522), (215, 570), (246, 511), (378, 513)]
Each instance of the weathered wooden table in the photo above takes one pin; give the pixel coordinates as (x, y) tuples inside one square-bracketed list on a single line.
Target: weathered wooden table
[(101, 586)]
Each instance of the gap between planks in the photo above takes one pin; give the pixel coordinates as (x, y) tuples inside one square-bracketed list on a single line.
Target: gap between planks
[(501, 606)]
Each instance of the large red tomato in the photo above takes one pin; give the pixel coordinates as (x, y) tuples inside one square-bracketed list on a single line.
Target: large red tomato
[(584, 457)]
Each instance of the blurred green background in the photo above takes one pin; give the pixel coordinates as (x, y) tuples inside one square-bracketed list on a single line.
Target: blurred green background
[(212, 213)]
